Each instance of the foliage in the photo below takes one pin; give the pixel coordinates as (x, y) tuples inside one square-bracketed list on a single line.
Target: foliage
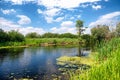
[(79, 25), (108, 59), (15, 36), (88, 39), (32, 35), (118, 29), (3, 36), (50, 35), (67, 35), (100, 32)]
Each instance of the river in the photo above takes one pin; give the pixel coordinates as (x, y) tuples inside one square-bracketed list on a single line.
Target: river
[(37, 63)]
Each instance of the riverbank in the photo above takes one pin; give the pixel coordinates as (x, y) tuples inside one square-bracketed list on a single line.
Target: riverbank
[(108, 58), (41, 42)]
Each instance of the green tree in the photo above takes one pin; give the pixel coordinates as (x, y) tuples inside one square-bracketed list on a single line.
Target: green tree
[(3, 36), (79, 25), (100, 32), (118, 29), (87, 38), (50, 35), (15, 36), (32, 35), (68, 35)]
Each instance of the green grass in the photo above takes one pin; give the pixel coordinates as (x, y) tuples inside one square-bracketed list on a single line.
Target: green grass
[(108, 58)]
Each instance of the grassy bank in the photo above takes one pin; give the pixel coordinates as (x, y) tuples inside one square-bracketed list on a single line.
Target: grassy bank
[(40, 42), (108, 58)]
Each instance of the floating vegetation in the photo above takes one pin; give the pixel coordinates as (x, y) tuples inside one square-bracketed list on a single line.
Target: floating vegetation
[(74, 64), (75, 60)]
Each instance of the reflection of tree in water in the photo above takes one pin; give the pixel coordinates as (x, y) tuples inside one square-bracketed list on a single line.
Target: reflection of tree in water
[(83, 51), (12, 53)]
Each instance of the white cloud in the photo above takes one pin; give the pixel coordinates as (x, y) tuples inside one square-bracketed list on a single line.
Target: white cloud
[(66, 27), (59, 19), (106, 0), (66, 4), (20, 2), (7, 25), (39, 11), (23, 19), (49, 14), (67, 24), (55, 7), (8, 11), (96, 7), (72, 18), (108, 19), (52, 12)]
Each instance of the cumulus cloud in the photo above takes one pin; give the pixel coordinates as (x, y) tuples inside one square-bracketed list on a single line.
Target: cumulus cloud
[(59, 19), (67, 24), (7, 25), (66, 27), (106, 0), (20, 2), (39, 11), (49, 15), (8, 11), (96, 7), (66, 4), (23, 19), (107, 19)]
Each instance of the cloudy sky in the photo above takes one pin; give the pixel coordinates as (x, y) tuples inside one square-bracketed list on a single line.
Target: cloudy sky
[(57, 16)]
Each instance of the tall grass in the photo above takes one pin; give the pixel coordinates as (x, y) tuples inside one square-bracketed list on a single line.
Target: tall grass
[(109, 68)]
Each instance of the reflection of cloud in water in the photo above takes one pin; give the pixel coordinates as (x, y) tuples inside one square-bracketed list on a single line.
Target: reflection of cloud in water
[(25, 59)]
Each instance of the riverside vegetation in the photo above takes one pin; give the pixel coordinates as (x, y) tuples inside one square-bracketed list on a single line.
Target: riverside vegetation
[(107, 67)]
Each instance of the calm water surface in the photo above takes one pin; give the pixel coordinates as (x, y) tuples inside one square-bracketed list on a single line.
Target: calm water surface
[(38, 63)]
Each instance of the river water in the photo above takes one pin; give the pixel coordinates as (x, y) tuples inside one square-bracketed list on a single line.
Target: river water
[(36, 63)]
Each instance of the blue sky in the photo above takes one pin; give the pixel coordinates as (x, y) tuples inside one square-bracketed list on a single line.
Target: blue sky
[(57, 16)]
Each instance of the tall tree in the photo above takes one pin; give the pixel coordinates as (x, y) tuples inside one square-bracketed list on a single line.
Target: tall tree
[(118, 29), (79, 25), (100, 32), (3, 36)]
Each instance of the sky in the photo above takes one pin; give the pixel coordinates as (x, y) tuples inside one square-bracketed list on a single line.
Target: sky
[(57, 16)]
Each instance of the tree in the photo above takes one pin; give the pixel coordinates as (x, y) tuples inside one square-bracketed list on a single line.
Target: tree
[(87, 38), (50, 35), (79, 25), (68, 35), (15, 36), (32, 35), (118, 29), (100, 32), (3, 36)]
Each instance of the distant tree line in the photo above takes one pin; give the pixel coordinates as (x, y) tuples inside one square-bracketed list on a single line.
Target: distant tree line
[(11, 36), (50, 35)]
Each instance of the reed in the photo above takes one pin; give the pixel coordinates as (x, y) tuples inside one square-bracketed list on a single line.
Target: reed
[(108, 58)]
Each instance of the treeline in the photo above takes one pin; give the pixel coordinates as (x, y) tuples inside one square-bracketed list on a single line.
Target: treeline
[(15, 36), (11, 36), (50, 35)]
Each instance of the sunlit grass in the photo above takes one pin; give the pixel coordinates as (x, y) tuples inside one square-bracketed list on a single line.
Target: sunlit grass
[(109, 68)]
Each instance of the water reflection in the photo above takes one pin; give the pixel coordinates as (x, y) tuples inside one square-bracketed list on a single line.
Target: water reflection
[(34, 62)]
